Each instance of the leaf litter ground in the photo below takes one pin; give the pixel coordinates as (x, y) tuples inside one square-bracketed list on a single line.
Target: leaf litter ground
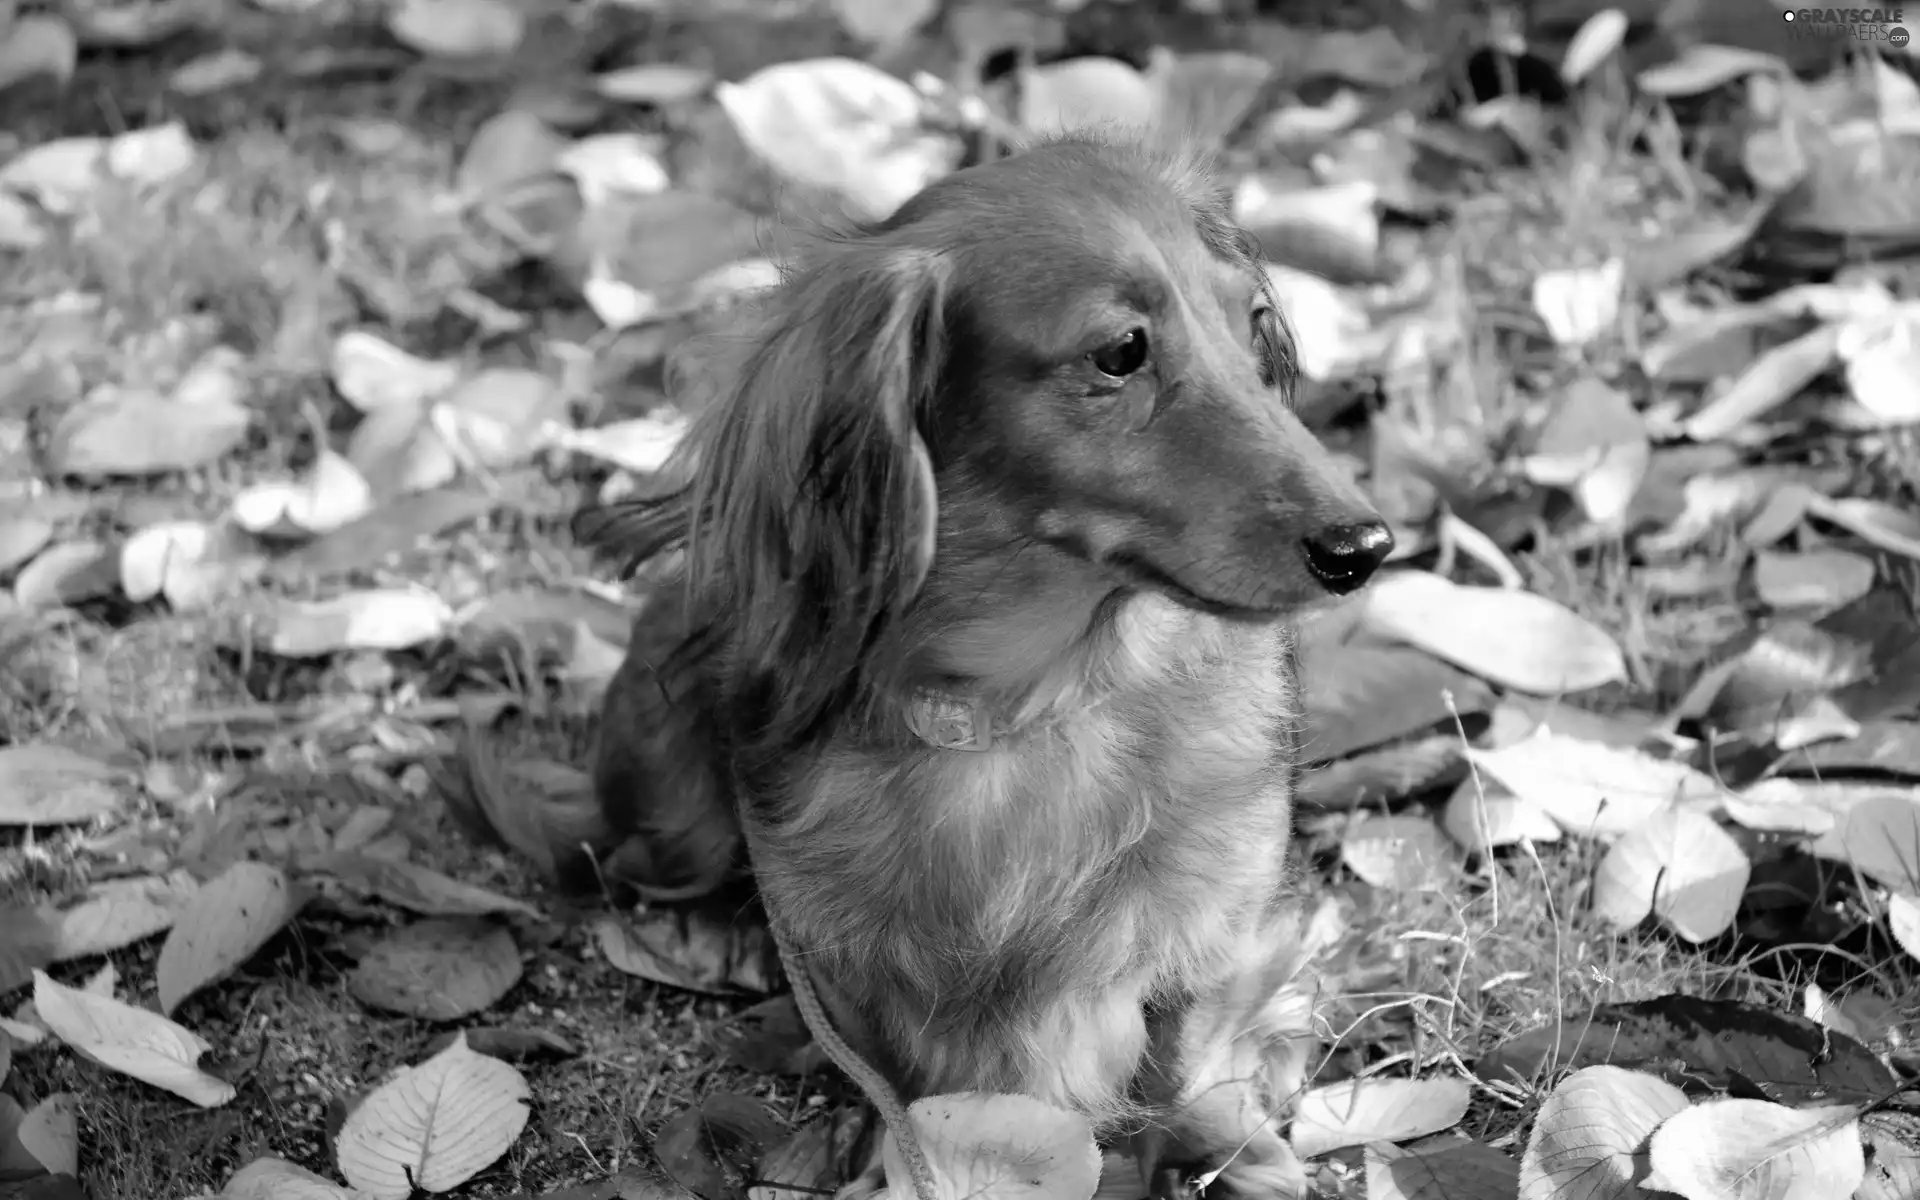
[(214, 728)]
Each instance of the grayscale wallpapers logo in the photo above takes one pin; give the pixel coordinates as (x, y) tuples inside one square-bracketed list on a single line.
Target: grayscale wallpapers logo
[(1853, 24)]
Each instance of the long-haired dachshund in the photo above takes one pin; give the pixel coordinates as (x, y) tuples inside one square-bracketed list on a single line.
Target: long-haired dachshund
[(992, 530)]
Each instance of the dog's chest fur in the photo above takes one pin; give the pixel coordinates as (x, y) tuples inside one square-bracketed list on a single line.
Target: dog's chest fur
[(1028, 902)]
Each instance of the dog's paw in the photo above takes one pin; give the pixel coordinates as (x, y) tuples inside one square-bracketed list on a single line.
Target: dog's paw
[(1277, 1176)]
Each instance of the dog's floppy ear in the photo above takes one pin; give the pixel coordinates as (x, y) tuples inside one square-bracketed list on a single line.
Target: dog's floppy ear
[(814, 504)]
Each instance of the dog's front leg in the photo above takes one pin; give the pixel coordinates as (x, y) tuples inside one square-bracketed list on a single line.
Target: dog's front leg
[(1226, 1067)]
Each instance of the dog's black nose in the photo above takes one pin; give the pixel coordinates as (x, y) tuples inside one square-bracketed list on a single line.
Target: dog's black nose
[(1342, 557)]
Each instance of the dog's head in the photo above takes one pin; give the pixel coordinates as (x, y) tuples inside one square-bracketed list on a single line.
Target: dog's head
[(1072, 350)]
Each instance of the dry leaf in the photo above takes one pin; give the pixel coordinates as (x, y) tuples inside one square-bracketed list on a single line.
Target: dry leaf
[(1458, 1170), (1580, 304), (1818, 579), (223, 925), (69, 573), (1890, 527), (443, 968), (278, 1179), (37, 44), (1703, 67), (374, 375), (1678, 865), (333, 494), (434, 1126), (1882, 354), (457, 28), (1775, 378), (119, 912), (1404, 853), (1598, 37), (842, 126), (509, 148), (1081, 93), (641, 445), (416, 888), (1518, 639), (50, 1133), (215, 72), (1483, 814), (1587, 1134), (1358, 1111), (376, 619), (1756, 1150), (152, 156), (47, 784), (139, 432), (654, 83), (997, 1147), (137, 1043), (1593, 789), (611, 166)]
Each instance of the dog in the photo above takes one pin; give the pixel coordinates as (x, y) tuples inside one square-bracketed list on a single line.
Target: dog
[(991, 531)]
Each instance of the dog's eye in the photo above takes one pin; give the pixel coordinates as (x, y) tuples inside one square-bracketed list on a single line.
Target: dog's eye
[(1122, 358)]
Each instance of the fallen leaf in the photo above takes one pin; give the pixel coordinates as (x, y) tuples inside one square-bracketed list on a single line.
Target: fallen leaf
[(457, 28), (28, 941), (1404, 853), (1890, 527), (49, 784), (1703, 67), (442, 968), (1357, 1111), (1515, 638), (1076, 94), (698, 951), (1882, 356), (415, 888), (610, 166), (153, 156), (1744, 1149), (1692, 1041), (376, 619), (1773, 379), (842, 126), (1587, 1134), (22, 537), (132, 1041), (987, 1145), (1458, 1170), (116, 913), (1580, 304), (60, 174), (493, 416), (510, 147), (215, 72), (374, 375), (433, 1126), (509, 1045), (1593, 789), (138, 432), (1678, 865), (1880, 834), (641, 445), (278, 1179), (70, 573), (1598, 37), (332, 494), (50, 1133), (1483, 814), (37, 44), (1825, 578), (713, 1147), (654, 83), (224, 924)]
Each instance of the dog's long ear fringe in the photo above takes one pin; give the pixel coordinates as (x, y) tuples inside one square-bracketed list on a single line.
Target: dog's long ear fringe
[(807, 526)]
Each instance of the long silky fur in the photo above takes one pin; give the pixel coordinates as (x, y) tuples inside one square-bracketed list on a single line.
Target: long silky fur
[(1004, 920)]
